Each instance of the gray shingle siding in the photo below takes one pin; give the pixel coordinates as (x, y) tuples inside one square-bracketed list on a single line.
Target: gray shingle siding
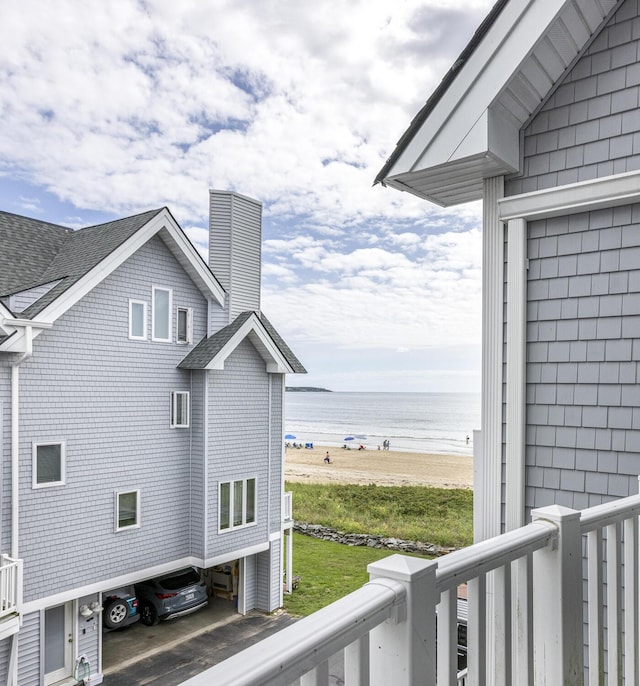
[(590, 126), (238, 442), (583, 282), (108, 399), (30, 649), (582, 393)]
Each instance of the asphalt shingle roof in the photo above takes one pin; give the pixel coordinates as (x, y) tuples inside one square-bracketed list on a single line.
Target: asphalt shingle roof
[(210, 346), (36, 252)]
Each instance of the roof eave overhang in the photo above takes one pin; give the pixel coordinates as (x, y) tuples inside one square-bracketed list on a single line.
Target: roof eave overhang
[(475, 117), (275, 361)]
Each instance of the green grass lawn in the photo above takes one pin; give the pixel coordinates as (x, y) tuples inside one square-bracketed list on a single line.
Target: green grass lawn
[(415, 513), (328, 571)]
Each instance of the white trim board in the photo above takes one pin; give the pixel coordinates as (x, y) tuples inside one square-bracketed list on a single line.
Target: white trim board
[(583, 196)]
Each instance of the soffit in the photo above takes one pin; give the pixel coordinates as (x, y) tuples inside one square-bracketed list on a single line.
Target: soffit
[(467, 133)]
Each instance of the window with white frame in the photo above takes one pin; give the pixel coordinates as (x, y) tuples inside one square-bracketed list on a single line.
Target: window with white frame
[(127, 510), (161, 314), (237, 504), (180, 409), (138, 320), (183, 325), (48, 464)]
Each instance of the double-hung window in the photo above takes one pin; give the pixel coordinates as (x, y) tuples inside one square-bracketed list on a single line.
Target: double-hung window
[(237, 503), (127, 510), (161, 314), (180, 409), (183, 325), (138, 320), (48, 464)]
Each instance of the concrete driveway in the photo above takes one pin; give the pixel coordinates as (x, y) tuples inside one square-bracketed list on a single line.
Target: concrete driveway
[(172, 652)]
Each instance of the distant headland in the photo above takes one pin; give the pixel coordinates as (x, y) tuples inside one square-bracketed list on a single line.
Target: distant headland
[(308, 389)]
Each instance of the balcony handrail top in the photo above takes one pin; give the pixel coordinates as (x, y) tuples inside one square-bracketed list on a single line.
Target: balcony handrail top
[(287, 655), (462, 565), (613, 512)]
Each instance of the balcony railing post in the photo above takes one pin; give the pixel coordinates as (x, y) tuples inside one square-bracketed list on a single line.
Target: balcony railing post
[(557, 601), (403, 649)]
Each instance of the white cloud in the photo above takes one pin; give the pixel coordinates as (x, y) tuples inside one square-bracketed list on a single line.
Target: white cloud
[(120, 107)]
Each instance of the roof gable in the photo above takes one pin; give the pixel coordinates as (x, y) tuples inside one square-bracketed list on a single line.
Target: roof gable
[(80, 260), (469, 129), (213, 351)]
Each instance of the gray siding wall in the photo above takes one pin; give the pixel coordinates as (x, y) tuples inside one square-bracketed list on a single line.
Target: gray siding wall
[(30, 649), (583, 347), (583, 351), (269, 578), (590, 127), (238, 442), (5, 654), (277, 448), (198, 408), (250, 586), (108, 399), (235, 236), (89, 633)]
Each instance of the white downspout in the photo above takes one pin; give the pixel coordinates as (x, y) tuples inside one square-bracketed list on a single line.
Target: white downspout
[(15, 452), (15, 438)]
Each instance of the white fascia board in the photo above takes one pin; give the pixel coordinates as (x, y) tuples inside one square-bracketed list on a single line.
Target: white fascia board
[(479, 83), (5, 314), (252, 328), (584, 196)]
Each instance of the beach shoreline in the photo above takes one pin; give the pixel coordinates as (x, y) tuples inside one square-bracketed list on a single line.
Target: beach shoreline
[(380, 467)]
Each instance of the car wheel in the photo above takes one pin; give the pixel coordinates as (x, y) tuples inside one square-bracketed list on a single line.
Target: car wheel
[(148, 613), (115, 613)]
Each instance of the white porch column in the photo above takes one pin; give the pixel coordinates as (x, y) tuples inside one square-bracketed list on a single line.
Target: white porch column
[(516, 357), (492, 333)]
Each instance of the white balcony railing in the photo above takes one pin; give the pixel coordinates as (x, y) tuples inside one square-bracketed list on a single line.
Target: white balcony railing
[(10, 585), (287, 506), (525, 625)]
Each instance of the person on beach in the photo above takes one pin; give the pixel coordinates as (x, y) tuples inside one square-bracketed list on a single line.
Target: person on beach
[(327, 458)]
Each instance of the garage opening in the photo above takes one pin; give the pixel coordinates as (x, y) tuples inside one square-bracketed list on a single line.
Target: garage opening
[(139, 641)]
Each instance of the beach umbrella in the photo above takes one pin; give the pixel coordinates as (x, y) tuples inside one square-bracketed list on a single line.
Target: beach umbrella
[(360, 437), (348, 438), (289, 437)]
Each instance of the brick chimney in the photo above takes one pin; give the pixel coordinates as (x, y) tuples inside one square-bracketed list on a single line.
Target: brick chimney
[(235, 248)]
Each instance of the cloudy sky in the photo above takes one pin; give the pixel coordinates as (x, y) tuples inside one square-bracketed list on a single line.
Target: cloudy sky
[(112, 108)]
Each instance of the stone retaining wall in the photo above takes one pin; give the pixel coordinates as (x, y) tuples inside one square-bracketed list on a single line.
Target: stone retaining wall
[(328, 534)]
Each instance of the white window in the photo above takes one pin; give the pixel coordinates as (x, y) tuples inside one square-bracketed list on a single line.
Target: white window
[(237, 504), (184, 333), (48, 464), (161, 314), (127, 510), (180, 409), (138, 320)]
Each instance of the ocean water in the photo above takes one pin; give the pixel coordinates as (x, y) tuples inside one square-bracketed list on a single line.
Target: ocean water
[(419, 422)]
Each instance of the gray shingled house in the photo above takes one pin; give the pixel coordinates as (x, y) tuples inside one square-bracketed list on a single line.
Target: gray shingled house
[(539, 118), (141, 409)]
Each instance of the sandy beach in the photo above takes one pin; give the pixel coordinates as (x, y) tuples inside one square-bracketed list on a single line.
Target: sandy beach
[(380, 467)]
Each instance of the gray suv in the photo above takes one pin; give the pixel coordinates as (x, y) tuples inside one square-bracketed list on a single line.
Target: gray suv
[(170, 596)]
